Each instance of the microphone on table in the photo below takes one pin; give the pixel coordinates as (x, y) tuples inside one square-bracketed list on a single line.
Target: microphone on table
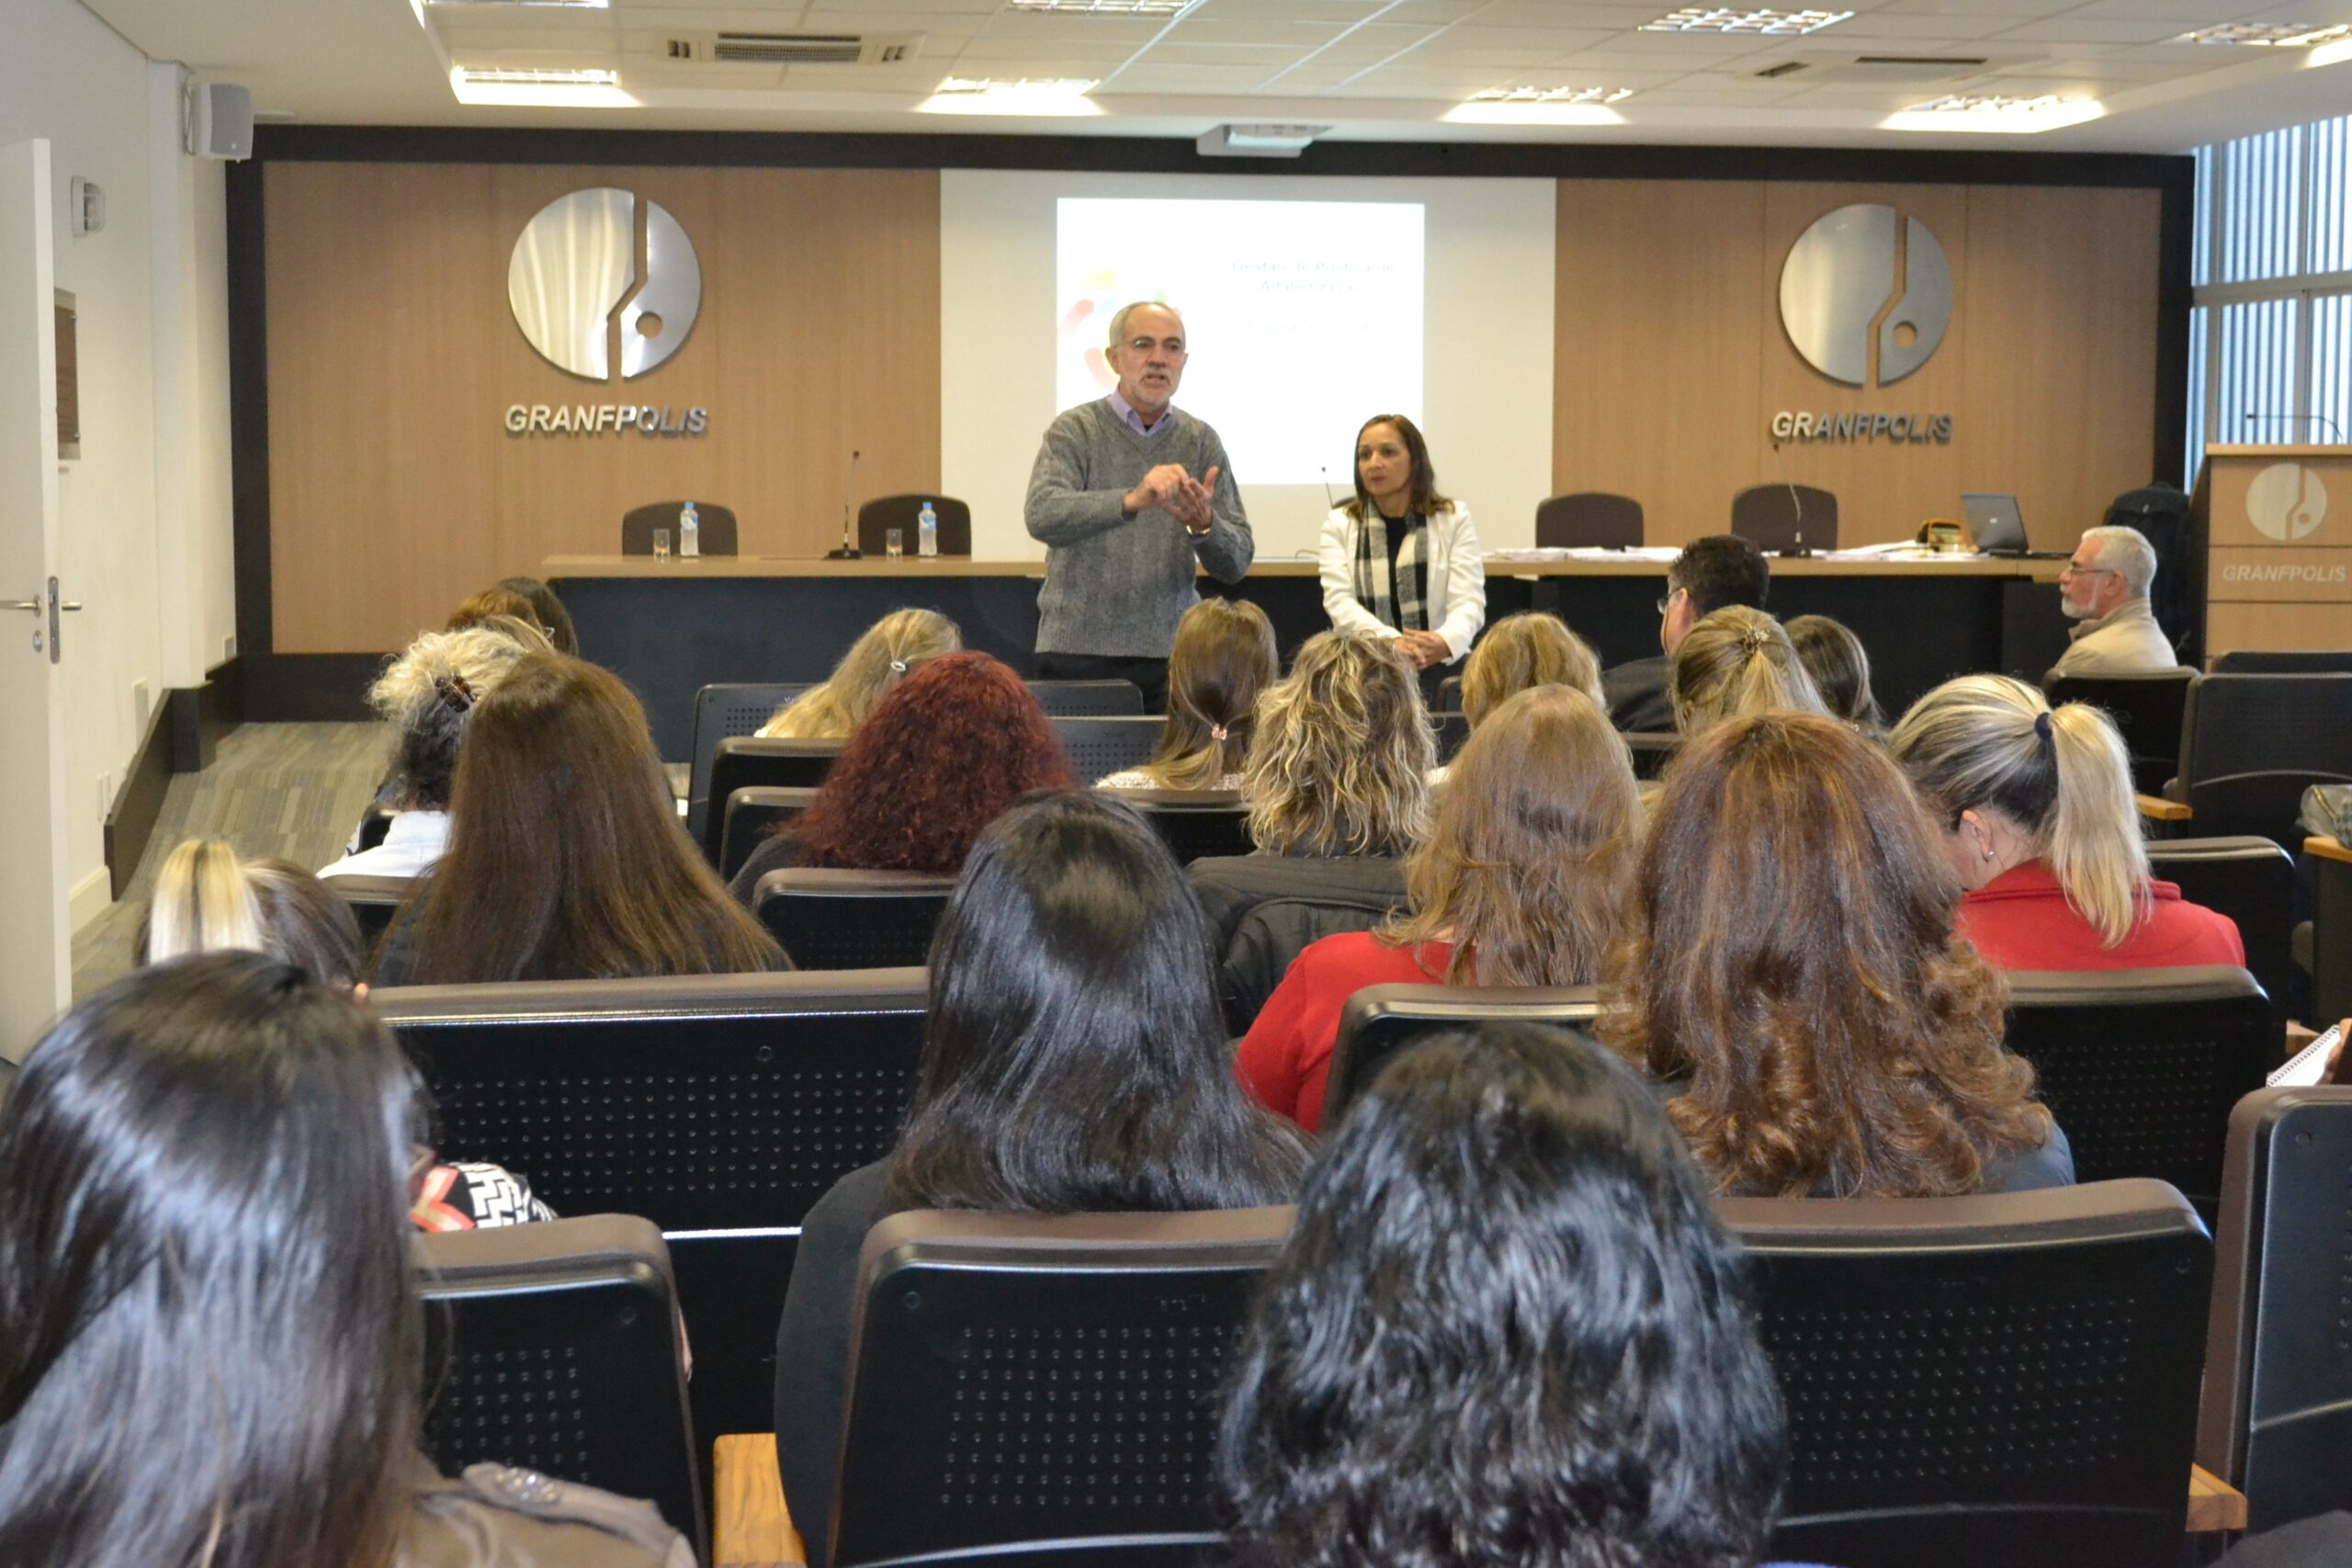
[(1797, 550), (1328, 498), (2332, 428), (849, 488)]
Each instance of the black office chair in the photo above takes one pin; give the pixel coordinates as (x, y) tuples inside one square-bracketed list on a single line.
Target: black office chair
[(2251, 880), (876, 518), (2141, 1066), (1589, 519), (830, 918), (1195, 823), (1018, 1378), (2003, 1379), (2277, 1421), (744, 761), (1450, 732), (372, 900), (1448, 695), (1652, 749), (2147, 709), (721, 712), (713, 527), (1380, 1023), (556, 1350), (751, 815), (2284, 661), (1783, 516), (1099, 746), (1087, 699), (2328, 940), (1181, 1550), (2250, 745)]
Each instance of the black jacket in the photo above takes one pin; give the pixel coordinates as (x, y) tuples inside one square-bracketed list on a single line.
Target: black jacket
[(1263, 909)]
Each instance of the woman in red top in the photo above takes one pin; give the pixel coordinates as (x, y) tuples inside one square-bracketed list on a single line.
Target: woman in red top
[(2037, 809), (1518, 885)]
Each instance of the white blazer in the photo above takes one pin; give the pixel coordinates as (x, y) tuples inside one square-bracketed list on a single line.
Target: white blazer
[(1456, 573)]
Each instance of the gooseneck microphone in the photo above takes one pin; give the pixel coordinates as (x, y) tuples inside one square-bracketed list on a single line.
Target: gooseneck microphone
[(849, 489), (2333, 428), (1330, 500), (1796, 550)]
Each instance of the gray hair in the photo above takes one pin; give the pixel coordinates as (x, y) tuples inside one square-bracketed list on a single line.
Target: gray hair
[(1119, 318), (2127, 553), (428, 694)]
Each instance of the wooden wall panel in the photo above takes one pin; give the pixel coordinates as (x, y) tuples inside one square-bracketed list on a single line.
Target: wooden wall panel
[(395, 489)]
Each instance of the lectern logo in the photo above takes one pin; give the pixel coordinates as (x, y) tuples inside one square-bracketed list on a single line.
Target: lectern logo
[(599, 277), (2286, 501), (1866, 295)]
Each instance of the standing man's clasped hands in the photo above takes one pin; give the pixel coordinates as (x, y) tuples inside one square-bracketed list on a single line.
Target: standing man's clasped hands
[(1178, 493)]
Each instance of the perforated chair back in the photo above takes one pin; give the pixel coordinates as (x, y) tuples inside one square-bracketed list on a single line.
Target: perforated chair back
[(2141, 1066), (831, 919), (2003, 1379), (1380, 1023), (750, 814), (713, 527), (2252, 881), (1099, 746), (876, 518), (1085, 699), (2284, 661), (556, 1350), (746, 761), (1193, 1550), (1195, 823), (1016, 1379), (1781, 517), (2147, 709), (2276, 1419), (2251, 744), (719, 1107), (372, 900), (1589, 519), (722, 712)]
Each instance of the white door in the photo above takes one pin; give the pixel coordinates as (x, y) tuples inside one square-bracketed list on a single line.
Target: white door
[(36, 942)]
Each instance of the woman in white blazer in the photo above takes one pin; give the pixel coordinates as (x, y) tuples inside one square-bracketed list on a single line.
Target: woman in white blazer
[(1400, 561)]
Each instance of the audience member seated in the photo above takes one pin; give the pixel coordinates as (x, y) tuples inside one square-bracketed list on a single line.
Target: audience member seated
[(1397, 559), (210, 1345), (940, 759), (1224, 656), (2040, 826), (1839, 666), (1532, 648), (1336, 783), (1506, 1331), (427, 695), (492, 608), (891, 648), (1792, 976), (1737, 663), (1710, 574), (2104, 590), (548, 611), (566, 859), (1518, 883), (1073, 1063)]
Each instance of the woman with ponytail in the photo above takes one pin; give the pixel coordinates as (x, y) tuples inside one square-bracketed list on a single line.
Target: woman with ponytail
[(1737, 663), (1224, 656), (2036, 808)]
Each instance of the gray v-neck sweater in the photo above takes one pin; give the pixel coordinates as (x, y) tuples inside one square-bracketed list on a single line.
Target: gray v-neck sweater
[(1116, 584)]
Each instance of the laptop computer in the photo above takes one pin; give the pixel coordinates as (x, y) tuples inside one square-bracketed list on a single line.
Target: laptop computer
[(1995, 524)]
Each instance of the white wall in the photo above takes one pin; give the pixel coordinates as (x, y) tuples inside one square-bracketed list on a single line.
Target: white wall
[(1488, 341)]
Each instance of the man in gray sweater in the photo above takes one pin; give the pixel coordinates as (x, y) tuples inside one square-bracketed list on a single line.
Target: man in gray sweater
[(1127, 495)]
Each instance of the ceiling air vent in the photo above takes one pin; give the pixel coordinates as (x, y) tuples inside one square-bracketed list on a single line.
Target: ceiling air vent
[(790, 49), (1880, 70)]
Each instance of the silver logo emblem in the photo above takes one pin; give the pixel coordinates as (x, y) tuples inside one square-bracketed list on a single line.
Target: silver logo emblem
[(590, 284), (2285, 502), (1866, 295)]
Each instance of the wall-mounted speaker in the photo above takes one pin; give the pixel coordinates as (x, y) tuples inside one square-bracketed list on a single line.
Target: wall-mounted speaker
[(220, 121)]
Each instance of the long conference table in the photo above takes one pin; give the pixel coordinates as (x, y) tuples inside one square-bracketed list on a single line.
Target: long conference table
[(670, 627)]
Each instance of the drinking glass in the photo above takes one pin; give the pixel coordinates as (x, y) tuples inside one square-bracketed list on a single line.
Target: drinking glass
[(894, 543), (661, 544)]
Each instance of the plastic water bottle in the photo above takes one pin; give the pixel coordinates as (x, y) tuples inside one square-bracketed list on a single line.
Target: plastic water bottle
[(927, 530), (689, 531)]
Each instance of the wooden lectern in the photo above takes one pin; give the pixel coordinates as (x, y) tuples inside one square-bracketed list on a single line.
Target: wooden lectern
[(2276, 521)]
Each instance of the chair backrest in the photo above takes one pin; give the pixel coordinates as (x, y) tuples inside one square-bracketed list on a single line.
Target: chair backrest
[(1450, 732), (720, 712), (750, 814), (1100, 745), (713, 527), (2251, 744), (744, 761), (2284, 661), (1590, 519), (2147, 708), (556, 1352), (1382, 1022), (1085, 699), (1448, 695), (1183, 1550), (1782, 516), (876, 518), (2331, 938), (373, 901), (2141, 1066), (2250, 879), (2277, 1421), (1652, 749), (1991, 1379), (826, 918), (1195, 823), (1023, 1378)]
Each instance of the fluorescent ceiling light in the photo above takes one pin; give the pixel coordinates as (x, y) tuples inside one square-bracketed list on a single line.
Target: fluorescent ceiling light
[(1552, 96), (1962, 103), (1106, 8), (1024, 95), (556, 4), (1761, 22), (2271, 35), (1995, 115), (1524, 113), (540, 89)]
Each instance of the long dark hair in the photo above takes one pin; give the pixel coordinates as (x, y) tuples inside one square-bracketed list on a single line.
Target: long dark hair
[(209, 1345), (548, 610), (1076, 1059), (1506, 1331), (566, 859), (1421, 496)]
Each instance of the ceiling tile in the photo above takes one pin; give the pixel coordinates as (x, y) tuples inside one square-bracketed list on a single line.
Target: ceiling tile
[(2071, 28)]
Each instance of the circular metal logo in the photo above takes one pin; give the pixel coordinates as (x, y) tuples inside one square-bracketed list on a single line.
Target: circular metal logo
[(1866, 295), (589, 285), (2285, 502)]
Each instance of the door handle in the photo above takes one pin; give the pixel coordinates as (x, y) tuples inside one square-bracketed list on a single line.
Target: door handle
[(35, 605)]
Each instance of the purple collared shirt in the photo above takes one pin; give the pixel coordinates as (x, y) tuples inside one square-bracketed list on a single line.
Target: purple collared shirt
[(1134, 421)]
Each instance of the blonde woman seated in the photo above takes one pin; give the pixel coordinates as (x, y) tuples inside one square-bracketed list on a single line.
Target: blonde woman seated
[(1518, 885), (1737, 663), (1532, 648), (1400, 561), (872, 668), (1224, 656), (1839, 666), (2039, 823)]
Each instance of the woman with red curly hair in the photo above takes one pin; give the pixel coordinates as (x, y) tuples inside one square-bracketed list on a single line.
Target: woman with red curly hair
[(937, 760)]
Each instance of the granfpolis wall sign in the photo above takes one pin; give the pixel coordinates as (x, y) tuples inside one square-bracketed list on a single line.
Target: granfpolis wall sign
[(1865, 299), (604, 287)]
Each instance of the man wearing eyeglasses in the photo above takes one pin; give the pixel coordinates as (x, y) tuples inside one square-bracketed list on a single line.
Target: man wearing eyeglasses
[(1128, 494), (1720, 569), (2104, 590)]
